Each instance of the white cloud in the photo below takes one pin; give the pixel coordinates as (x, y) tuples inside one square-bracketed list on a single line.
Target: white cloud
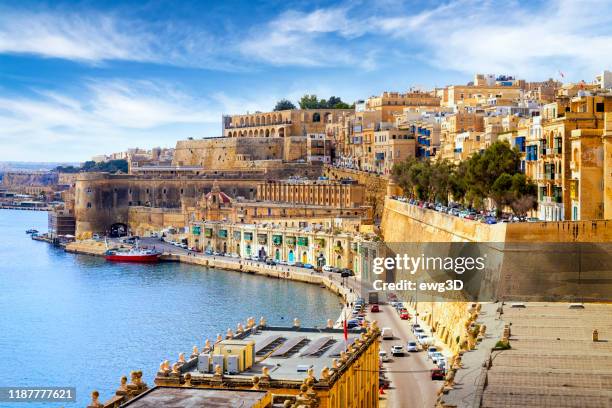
[(530, 41), (110, 116), (91, 38), (95, 38), (527, 39), (315, 39)]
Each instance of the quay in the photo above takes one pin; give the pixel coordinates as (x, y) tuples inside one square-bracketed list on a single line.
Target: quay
[(348, 293), (18, 207)]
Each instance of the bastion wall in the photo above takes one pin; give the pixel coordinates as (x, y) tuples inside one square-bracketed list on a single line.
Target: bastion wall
[(102, 199)]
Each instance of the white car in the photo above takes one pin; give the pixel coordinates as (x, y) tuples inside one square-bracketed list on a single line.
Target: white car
[(384, 357), (387, 333), (327, 268), (283, 262), (423, 339), (436, 356), (397, 350), (412, 346)]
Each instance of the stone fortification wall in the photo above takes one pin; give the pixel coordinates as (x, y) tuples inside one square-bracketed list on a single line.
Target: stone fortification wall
[(220, 153), (143, 220), (102, 200), (375, 186)]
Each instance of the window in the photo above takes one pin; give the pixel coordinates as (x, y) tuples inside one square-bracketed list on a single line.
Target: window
[(88, 205), (599, 107)]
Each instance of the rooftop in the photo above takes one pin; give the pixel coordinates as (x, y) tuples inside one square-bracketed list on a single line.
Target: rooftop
[(553, 360), (197, 397), (289, 352)]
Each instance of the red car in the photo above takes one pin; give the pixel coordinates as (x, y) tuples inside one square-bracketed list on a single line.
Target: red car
[(437, 374), (374, 309), (404, 316)]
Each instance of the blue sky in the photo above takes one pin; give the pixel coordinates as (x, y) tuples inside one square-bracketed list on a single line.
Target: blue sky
[(91, 77)]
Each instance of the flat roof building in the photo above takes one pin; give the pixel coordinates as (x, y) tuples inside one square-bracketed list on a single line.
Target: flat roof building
[(314, 364)]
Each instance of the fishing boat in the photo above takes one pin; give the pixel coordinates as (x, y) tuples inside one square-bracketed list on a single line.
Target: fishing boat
[(132, 255), (32, 231)]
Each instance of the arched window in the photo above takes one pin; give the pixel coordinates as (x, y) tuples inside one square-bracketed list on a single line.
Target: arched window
[(316, 117)]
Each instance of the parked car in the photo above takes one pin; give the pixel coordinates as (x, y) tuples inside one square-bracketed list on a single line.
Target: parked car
[(374, 309), (384, 357), (404, 315), (423, 339), (415, 326), (431, 350), (412, 346), (397, 350), (489, 220), (283, 262), (308, 266), (270, 261), (436, 356), (441, 362), (352, 323), (298, 264), (347, 272), (327, 268), (437, 374)]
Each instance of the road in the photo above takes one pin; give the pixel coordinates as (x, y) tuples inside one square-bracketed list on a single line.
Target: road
[(411, 384)]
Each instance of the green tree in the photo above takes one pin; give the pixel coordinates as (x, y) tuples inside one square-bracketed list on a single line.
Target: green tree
[(309, 102), (484, 168), (457, 183), (284, 104), (441, 175), (312, 102)]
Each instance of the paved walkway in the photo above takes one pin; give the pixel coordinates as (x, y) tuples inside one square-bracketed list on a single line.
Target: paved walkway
[(469, 380)]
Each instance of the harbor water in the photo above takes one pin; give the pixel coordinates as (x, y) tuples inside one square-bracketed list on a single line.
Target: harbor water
[(79, 321)]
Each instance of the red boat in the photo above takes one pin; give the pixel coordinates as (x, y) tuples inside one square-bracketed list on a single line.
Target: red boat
[(133, 255)]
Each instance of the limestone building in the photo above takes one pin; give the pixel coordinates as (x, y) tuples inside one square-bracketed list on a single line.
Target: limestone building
[(310, 366), (311, 244)]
